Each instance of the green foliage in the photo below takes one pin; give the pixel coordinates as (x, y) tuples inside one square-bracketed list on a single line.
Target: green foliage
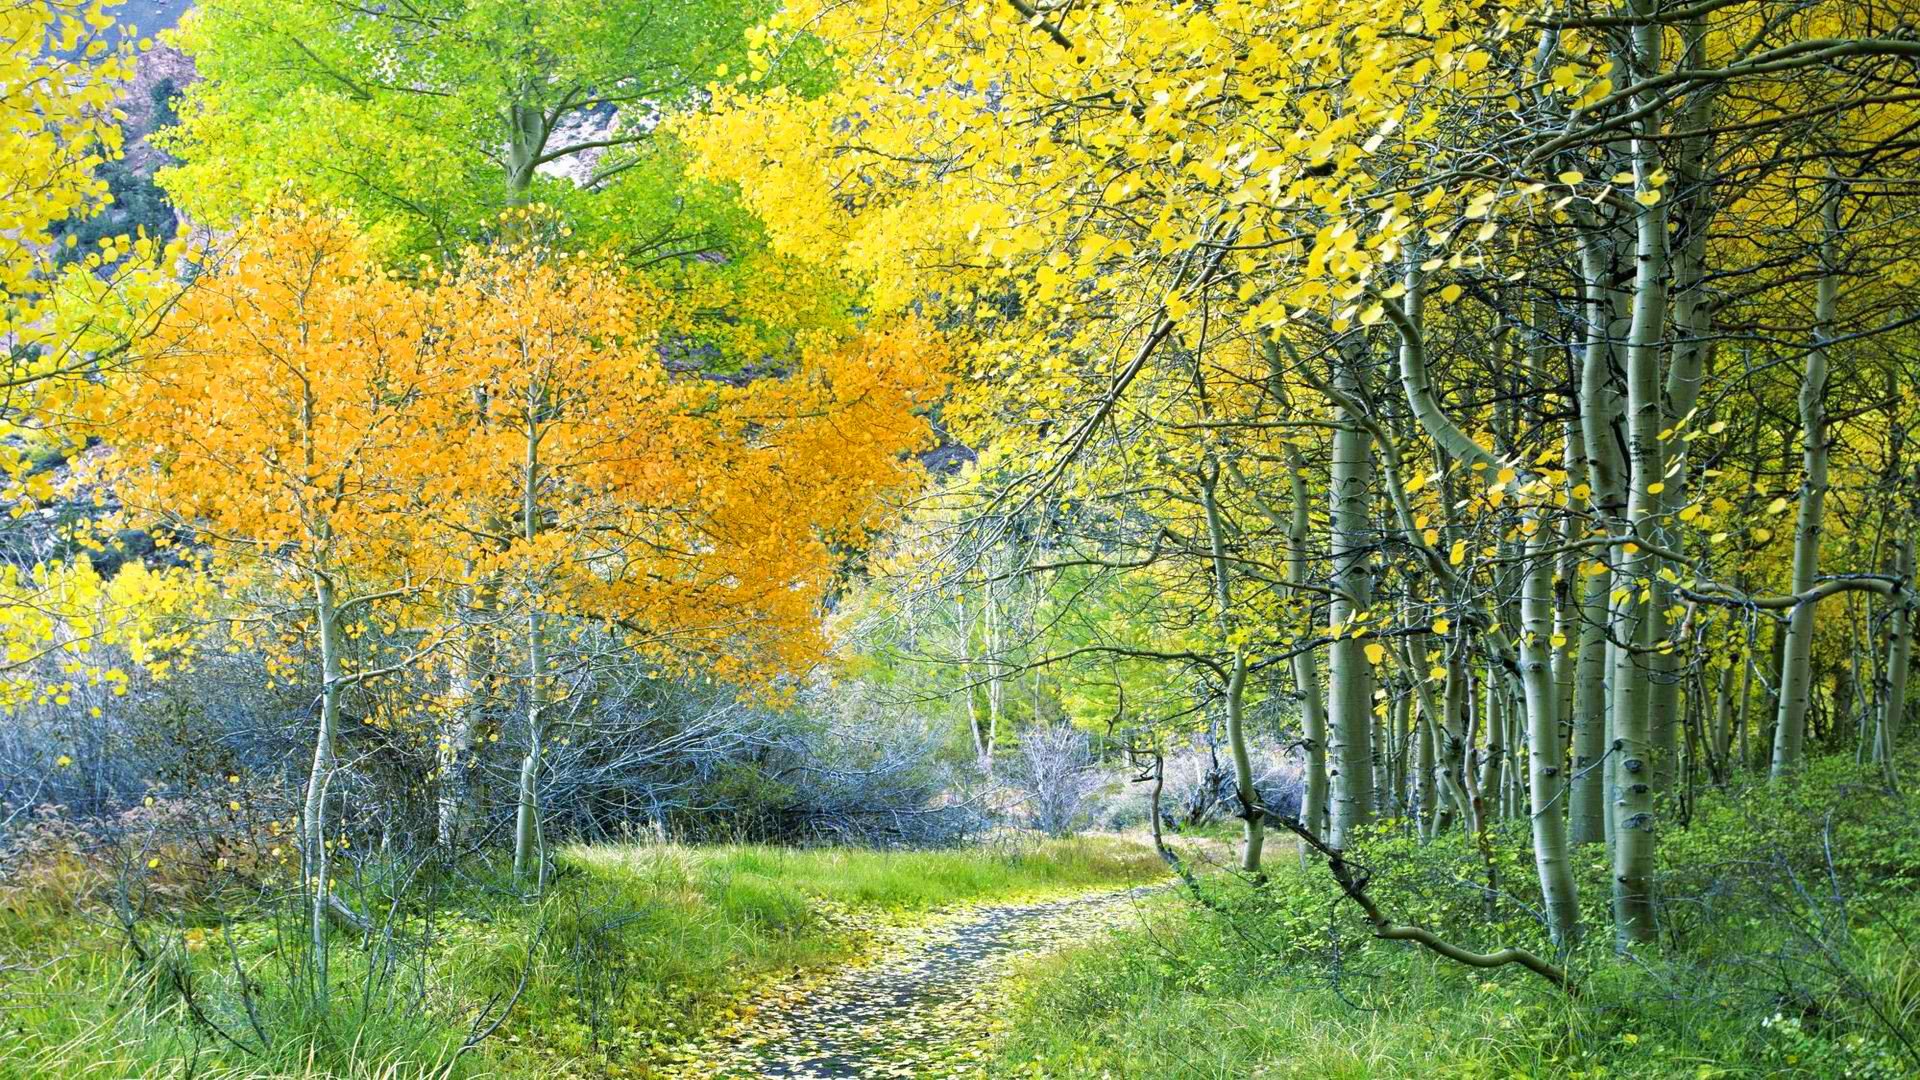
[(407, 113), (633, 952), (1793, 950)]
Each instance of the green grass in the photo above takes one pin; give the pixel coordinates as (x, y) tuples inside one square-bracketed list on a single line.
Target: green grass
[(633, 952), (1761, 972)]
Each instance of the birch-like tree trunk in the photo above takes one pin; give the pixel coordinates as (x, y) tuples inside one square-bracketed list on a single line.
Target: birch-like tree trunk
[(471, 673), (529, 855), (1634, 824), (1796, 682), (1306, 667), (1252, 813), (315, 852), (1893, 710), (1350, 676)]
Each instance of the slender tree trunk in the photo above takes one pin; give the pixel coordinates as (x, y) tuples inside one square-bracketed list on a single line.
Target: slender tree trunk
[(1796, 683), (1546, 779), (1722, 725), (1893, 710), (1493, 720), (1350, 705), (1746, 706), (529, 855), (1634, 619), (1592, 764), (1252, 813), (1306, 667), (1423, 792), (469, 693), (315, 852)]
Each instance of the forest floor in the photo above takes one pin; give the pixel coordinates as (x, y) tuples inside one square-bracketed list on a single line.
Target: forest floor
[(640, 961), (925, 1002)]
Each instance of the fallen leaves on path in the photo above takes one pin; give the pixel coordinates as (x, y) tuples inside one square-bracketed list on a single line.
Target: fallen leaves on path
[(925, 1003)]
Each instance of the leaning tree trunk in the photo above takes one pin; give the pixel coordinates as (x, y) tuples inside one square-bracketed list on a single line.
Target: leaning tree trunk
[(1796, 683), (1252, 812)]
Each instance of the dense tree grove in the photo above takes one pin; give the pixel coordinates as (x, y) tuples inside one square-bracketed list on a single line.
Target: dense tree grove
[(1394, 426), (1466, 360)]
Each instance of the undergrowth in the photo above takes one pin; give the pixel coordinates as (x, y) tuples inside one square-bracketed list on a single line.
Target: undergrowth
[(632, 952), (1790, 948)]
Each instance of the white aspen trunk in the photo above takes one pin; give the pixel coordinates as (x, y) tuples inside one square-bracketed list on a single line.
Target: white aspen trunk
[(469, 694), (1796, 682), (1723, 725), (1634, 617), (1589, 820), (996, 673), (313, 840), (1252, 813), (1398, 747), (1745, 720), (526, 137), (1893, 711), (1306, 668), (1545, 765), (974, 725), (1350, 676), (529, 856), (1423, 770), (1454, 772)]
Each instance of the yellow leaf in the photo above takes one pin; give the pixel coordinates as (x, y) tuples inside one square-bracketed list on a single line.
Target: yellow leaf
[(1376, 653), (1441, 626), (1451, 293)]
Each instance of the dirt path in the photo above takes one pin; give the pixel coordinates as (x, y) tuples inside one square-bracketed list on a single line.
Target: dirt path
[(924, 1005)]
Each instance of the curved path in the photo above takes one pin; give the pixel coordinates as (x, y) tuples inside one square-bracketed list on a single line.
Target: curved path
[(924, 1005)]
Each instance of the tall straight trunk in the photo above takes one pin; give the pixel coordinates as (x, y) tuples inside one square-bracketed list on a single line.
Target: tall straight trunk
[(1306, 667), (1893, 710), (1252, 813), (1453, 773), (1424, 758), (1634, 617), (1567, 591), (313, 838), (1404, 739), (469, 693), (1592, 765), (1722, 725), (1796, 683), (1350, 693), (1745, 718), (1493, 720), (1298, 526), (996, 641), (1545, 765), (529, 855), (1692, 339)]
